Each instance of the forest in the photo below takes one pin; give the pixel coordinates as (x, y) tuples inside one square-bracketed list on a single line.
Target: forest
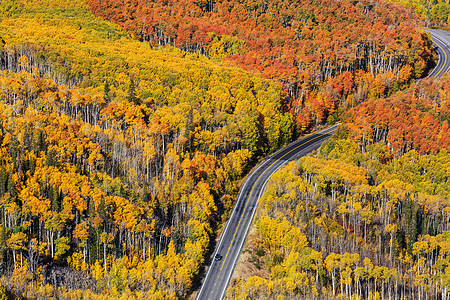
[(327, 55), (367, 216), (126, 128), (116, 169), (436, 13)]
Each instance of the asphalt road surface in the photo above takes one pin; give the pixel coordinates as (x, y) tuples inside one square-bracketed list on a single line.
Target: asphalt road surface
[(441, 42), (233, 236)]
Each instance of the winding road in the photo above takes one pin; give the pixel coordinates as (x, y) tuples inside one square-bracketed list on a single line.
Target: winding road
[(233, 236), (441, 41)]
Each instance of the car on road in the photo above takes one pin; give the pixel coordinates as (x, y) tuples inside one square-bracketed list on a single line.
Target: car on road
[(217, 257)]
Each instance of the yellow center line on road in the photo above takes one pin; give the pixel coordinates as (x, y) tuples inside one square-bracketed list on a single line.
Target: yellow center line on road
[(445, 59), (251, 192)]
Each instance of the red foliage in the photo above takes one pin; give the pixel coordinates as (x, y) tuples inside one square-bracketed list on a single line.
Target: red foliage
[(415, 120), (306, 45)]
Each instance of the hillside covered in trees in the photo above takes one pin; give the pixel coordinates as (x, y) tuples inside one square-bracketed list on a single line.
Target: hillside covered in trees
[(367, 217), (121, 152), (328, 55), (117, 161), (433, 12)]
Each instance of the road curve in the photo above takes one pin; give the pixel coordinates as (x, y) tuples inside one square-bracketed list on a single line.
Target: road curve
[(441, 42), (233, 236)]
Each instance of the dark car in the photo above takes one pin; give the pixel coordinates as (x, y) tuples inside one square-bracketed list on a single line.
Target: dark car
[(217, 257)]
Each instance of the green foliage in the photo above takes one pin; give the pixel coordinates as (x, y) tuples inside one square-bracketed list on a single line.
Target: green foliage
[(9, 8), (61, 246), (432, 11), (132, 98)]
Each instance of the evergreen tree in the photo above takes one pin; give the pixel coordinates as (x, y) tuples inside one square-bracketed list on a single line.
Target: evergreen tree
[(106, 91), (132, 93)]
